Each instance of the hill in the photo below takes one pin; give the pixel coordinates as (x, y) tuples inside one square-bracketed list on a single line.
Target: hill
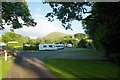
[(56, 35)]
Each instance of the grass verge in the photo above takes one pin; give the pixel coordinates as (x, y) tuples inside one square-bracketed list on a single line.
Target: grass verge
[(68, 68), (5, 65)]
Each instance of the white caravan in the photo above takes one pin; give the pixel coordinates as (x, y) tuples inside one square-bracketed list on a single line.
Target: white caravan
[(60, 46), (47, 47)]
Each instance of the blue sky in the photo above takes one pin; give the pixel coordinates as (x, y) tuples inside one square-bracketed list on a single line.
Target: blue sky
[(38, 11)]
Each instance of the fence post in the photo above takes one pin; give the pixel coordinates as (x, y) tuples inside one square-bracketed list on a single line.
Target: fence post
[(5, 55)]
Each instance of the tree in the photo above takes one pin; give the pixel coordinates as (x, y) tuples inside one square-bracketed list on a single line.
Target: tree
[(66, 12), (32, 42), (39, 41), (75, 42), (11, 36), (80, 36), (102, 26), (13, 12), (82, 43)]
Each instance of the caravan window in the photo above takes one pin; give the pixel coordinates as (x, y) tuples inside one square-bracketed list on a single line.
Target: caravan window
[(44, 45), (50, 46)]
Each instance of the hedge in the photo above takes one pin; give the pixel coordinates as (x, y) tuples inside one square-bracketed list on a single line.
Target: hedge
[(15, 45), (30, 48)]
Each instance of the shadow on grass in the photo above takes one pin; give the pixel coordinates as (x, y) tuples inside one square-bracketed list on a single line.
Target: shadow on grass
[(30, 67)]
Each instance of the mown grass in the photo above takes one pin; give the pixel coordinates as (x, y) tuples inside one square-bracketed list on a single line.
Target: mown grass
[(5, 65), (80, 51), (68, 68)]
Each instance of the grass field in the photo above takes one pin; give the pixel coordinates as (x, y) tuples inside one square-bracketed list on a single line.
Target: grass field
[(5, 66), (67, 68), (80, 51)]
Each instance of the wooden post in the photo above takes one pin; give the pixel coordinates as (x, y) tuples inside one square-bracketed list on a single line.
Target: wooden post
[(5, 55)]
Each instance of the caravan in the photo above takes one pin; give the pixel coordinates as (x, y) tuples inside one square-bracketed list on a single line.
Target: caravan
[(60, 46), (47, 47)]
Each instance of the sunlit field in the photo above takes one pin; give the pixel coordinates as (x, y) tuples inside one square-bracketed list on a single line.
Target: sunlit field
[(68, 68)]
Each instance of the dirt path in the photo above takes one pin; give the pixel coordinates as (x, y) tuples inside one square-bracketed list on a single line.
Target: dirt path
[(28, 68)]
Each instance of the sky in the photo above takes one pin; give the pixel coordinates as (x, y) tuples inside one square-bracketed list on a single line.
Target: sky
[(38, 11)]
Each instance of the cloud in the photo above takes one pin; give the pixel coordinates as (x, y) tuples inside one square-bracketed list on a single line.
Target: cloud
[(45, 27), (7, 29), (42, 28)]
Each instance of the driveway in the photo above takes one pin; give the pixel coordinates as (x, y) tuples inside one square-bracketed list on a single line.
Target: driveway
[(31, 65), (57, 54), (25, 67)]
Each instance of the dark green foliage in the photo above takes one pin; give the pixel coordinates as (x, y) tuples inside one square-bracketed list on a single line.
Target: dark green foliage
[(82, 43), (103, 28), (13, 11), (30, 47)]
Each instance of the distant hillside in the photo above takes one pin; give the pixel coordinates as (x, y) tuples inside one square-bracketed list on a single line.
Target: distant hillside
[(56, 35)]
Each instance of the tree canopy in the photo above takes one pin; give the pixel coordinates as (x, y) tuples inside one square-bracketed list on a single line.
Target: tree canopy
[(103, 25), (13, 12), (66, 12), (11, 36)]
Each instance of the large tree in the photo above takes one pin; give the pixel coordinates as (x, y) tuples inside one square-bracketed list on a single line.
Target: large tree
[(13, 12), (103, 25), (11, 36)]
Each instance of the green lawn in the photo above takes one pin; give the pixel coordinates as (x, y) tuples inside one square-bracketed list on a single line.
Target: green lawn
[(5, 66), (80, 51), (67, 68)]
